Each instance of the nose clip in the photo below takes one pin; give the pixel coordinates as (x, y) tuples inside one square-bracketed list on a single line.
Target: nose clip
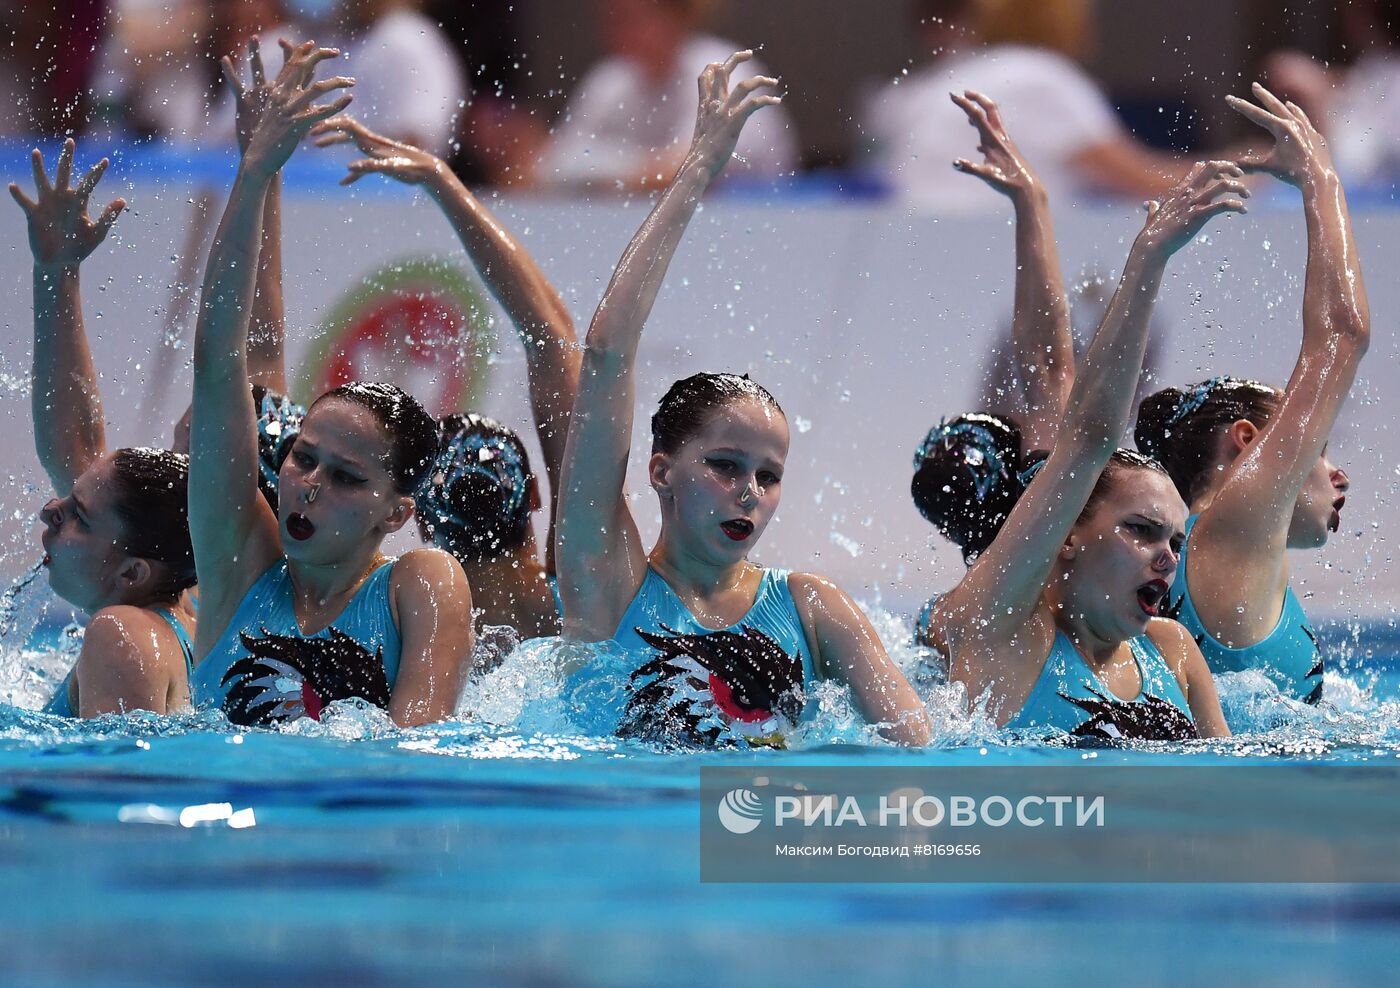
[(747, 495), (310, 496)]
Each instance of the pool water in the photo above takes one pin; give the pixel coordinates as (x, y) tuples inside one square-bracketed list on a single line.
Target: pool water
[(142, 849)]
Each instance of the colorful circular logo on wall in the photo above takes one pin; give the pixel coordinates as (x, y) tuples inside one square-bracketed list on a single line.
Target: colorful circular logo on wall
[(419, 323)]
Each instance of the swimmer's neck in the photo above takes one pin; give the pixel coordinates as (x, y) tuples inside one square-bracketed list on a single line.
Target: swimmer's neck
[(138, 596), (316, 586), (1097, 649), (695, 577), (1206, 498)]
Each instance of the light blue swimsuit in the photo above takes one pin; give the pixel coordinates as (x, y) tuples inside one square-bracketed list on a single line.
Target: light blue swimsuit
[(745, 684), (1289, 656), (264, 669), (1069, 698), (60, 706)]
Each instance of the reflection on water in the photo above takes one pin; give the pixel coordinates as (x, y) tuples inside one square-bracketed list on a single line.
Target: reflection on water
[(512, 848)]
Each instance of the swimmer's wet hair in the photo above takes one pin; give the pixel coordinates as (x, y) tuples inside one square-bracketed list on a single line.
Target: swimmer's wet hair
[(413, 434), (1179, 426), (691, 402), (967, 478), (970, 471), (476, 501), (151, 499), (1123, 461)]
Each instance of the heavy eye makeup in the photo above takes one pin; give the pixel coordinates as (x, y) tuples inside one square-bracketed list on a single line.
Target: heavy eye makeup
[(304, 461), (1144, 528), (80, 514)]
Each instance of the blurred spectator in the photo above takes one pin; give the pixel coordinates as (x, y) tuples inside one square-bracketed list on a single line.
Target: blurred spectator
[(1356, 107), (161, 64), (49, 63), (1023, 54), (630, 119), (409, 80), (487, 33)]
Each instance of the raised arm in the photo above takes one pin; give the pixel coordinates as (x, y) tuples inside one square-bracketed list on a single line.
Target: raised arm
[(70, 432), (1040, 326), (533, 306), (1001, 590), (267, 327), (267, 363), (1249, 518), (234, 531), (601, 559)]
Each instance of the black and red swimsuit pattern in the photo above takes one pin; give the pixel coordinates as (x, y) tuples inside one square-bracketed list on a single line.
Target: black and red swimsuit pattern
[(692, 686), (264, 670)]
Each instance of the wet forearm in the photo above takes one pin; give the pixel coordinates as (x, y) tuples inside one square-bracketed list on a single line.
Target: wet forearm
[(69, 428), (267, 364), (1041, 323), (1107, 380)]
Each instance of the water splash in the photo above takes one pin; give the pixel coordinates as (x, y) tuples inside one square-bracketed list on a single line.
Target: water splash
[(10, 602)]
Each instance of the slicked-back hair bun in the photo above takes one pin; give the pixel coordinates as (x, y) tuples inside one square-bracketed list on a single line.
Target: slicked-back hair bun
[(1179, 427), (968, 477), (690, 403)]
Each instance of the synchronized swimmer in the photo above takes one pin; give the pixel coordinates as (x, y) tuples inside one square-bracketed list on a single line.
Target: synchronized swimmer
[(1105, 586)]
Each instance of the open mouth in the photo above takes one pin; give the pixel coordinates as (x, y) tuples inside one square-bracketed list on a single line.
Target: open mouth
[(1150, 596), (299, 527), (1335, 522), (737, 529)]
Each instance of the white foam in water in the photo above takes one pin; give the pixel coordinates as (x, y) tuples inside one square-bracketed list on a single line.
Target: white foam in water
[(525, 705)]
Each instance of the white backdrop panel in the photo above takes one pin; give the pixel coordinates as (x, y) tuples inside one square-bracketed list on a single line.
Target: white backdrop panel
[(867, 324)]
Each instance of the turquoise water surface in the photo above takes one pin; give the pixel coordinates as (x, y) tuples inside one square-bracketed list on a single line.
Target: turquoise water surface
[(142, 849)]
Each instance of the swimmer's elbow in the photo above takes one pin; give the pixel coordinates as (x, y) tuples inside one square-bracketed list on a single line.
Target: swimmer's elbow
[(605, 354)]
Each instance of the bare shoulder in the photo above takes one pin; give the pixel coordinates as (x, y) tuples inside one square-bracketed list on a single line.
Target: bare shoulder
[(426, 566), (832, 621), (429, 577), (1174, 642), (813, 588), (122, 633)]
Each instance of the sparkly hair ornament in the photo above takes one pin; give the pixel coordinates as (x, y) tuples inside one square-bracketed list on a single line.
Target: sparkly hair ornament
[(979, 451), (1193, 400), (492, 456), (279, 421), (1027, 475), (476, 499)]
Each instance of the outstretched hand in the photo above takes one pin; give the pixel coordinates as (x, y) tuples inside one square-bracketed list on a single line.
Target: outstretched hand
[(279, 114), (1299, 154), (60, 230), (250, 102), (386, 156), (1210, 188), (1003, 168), (724, 110)]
